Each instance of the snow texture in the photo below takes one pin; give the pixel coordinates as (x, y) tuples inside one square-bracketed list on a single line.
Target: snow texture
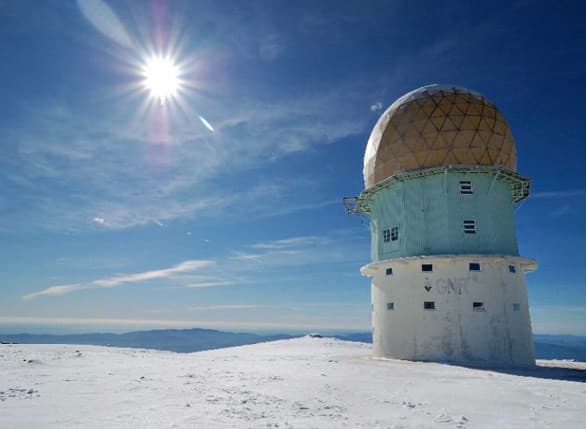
[(300, 383)]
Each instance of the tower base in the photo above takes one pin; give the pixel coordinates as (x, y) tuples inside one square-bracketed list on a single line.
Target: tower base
[(468, 309)]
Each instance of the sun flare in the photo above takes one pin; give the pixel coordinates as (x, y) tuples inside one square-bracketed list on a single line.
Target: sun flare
[(161, 78)]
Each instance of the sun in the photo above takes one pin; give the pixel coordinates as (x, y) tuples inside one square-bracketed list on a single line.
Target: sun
[(161, 78)]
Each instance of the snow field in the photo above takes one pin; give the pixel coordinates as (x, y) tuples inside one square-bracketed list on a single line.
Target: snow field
[(299, 383)]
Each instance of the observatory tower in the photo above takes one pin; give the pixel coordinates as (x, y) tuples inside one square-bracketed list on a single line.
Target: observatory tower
[(448, 283)]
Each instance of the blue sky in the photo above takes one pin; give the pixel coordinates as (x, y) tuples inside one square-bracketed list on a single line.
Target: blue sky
[(119, 213)]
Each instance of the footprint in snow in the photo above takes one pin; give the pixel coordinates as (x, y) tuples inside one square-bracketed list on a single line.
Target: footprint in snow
[(443, 418), (462, 422), (408, 404)]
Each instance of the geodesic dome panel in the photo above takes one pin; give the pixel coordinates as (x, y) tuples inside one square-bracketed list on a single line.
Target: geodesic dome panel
[(434, 126)]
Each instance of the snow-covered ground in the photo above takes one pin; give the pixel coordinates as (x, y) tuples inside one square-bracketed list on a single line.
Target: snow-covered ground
[(301, 383)]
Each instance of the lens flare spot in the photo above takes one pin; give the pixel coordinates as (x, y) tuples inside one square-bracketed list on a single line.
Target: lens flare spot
[(206, 123)]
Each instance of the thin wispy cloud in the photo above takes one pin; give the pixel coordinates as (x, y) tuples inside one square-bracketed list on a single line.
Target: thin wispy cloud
[(285, 209), (560, 211), (289, 242), (115, 281), (214, 280), (117, 177), (150, 209), (271, 47), (293, 306), (300, 251), (568, 193), (224, 307), (240, 267)]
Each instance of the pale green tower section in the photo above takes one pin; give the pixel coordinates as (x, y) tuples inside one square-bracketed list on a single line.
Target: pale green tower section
[(446, 211)]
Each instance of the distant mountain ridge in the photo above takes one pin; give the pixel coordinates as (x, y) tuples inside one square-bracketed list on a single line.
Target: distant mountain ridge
[(177, 340), (193, 340), (560, 347)]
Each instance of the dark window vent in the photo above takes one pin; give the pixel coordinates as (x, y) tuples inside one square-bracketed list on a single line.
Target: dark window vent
[(478, 306), (427, 267), (470, 227), (466, 187)]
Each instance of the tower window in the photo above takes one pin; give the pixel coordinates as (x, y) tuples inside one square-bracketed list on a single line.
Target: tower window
[(429, 305), (512, 269), (470, 227), (389, 271), (386, 235), (394, 233), (427, 267), (390, 305), (466, 187), (516, 307), (478, 306), (474, 266)]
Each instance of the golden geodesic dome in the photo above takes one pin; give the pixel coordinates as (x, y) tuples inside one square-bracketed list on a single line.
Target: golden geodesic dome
[(438, 125)]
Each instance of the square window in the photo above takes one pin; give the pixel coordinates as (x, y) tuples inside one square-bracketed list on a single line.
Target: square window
[(470, 227), (429, 305), (512, 269), (390, 305), (478, 306), (427, 267), (389, 271), (466, 187), (516, 307), (386, 235), (394, 233), (474, 266)]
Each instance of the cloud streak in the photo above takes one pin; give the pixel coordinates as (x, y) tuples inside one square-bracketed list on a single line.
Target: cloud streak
[(289, 242), (224, 307), (311, 252), (115, 281), (252, 264), (569, 193)]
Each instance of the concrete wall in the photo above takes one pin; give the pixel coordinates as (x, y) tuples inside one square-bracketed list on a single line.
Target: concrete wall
[(430, 211), (499, 334)]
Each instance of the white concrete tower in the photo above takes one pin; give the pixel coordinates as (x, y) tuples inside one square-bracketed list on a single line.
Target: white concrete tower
[(448, 283)]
